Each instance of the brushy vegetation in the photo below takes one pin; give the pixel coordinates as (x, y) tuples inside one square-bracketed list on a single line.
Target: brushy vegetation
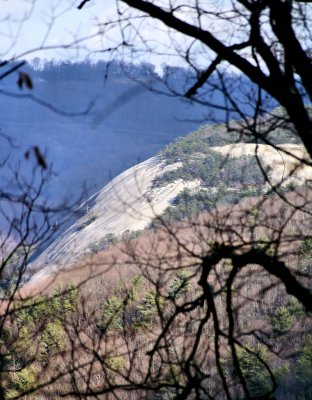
[(253, 363), (305, 253), (104, 242), (134, 309), (207, 136), (189, 203), (212, 170), (222, 180), (281, 321), (130, 308), (110, 238), (38, 335), (131, 312), (89, 219), (304, 365)]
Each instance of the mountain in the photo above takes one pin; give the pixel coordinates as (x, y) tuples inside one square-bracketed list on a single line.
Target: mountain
[(89, 127), (92, 148), (134, 282), (93, 121), (127, 204), (187, 177)]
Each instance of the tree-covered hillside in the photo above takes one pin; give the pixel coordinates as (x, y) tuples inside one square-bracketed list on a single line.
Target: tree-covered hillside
[(222, 178), (92, 121)]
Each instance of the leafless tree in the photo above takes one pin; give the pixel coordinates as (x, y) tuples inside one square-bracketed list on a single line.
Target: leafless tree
[(243, 263), (268, 42)]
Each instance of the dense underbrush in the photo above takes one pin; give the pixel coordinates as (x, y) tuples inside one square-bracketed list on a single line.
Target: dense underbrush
[(158, 329)]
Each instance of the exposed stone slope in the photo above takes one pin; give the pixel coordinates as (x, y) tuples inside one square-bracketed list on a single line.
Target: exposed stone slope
[(130, 201)]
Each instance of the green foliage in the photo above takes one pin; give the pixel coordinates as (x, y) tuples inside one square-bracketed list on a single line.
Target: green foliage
[(30, 312), (38, 335), (40, 324), (282, 374), (6, 334), (306, 247), (53, 336), (70, 299), (281, 135), (255, 213), (127, 308), (63, 302), (180, 285), (281, 321), (148, 309), (240, 172), (265, 244), (304, 365), (173, 376), (90, 217), (204, 168), (295, 308), (190, 203), (136, 285), (112, 312), (240, 177), (129, 235), (24, 342), (24, 316), (52, 341), (23, 382), (104, 242), (252, 363), (186, 204), (19, 255), (41, 309), (211, 169), (116, 363), (207, 136), (200, 161), (305, 254), (199, 141)]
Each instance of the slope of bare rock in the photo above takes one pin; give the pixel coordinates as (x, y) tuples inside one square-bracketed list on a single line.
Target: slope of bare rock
[(130, 201), (127, 203)]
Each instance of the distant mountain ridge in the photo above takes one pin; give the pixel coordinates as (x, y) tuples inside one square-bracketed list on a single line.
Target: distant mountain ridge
[(128, 122)]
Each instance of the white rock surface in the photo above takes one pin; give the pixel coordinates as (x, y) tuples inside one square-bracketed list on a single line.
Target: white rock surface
[(283, 168), (128, 202)]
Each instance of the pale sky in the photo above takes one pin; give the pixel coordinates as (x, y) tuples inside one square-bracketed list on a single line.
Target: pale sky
[(28, 25)]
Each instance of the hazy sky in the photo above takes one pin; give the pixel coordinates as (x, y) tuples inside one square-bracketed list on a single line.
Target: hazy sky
[(28, 25)]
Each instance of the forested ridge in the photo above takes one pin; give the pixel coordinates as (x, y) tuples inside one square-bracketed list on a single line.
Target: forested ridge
[(135, 291)]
